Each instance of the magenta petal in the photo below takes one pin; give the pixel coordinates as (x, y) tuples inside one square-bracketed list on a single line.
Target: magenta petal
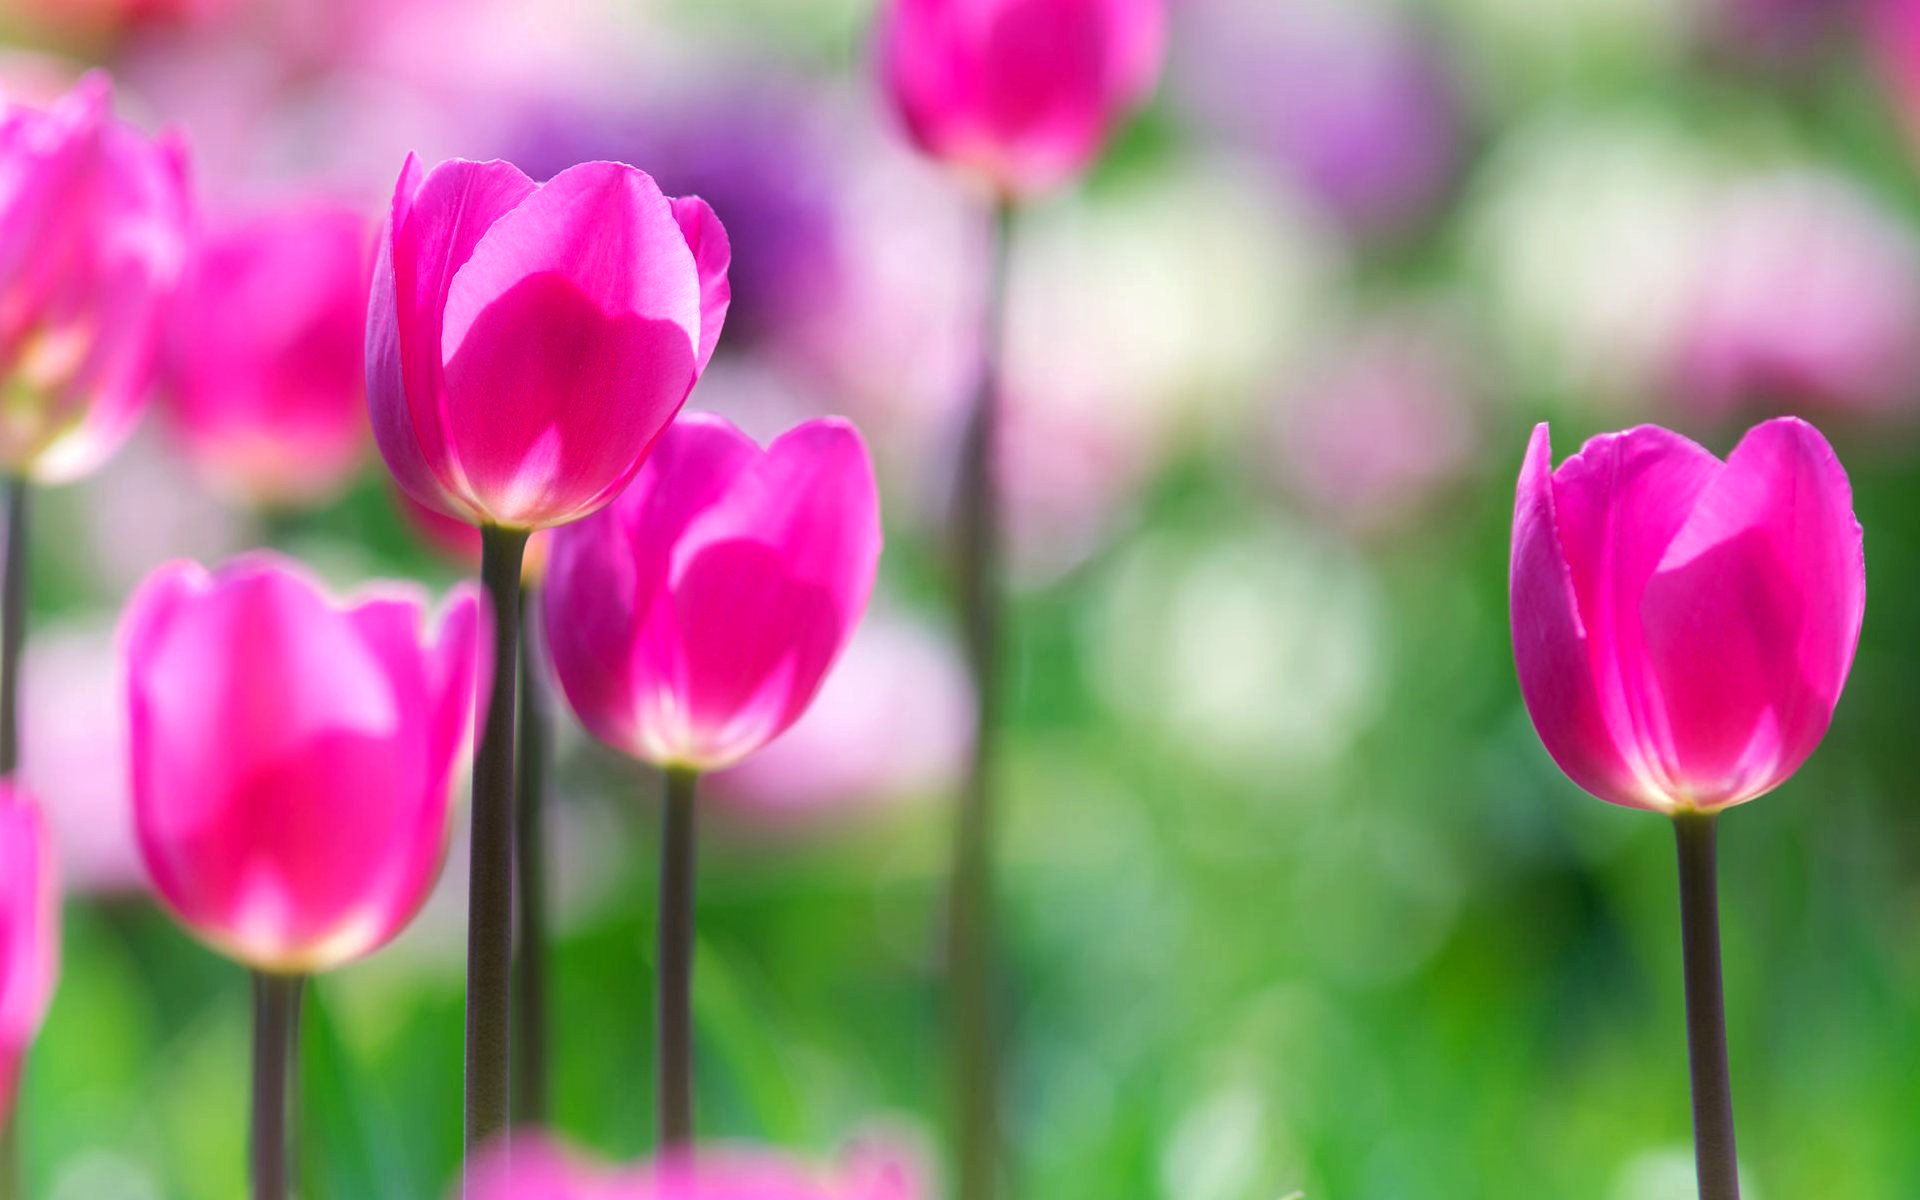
[(434, 225), (29, 932), (1619, 503), (712, 255), (1551, 644), (1752, 618), (696, 618), (608, 611), (292, 759), (769, 582), (570, 341)]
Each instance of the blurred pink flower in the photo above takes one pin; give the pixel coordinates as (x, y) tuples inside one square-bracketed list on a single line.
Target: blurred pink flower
[(1024, 92), (526, 342), (693, 620), (267, 387), (1382, 423), (293, 757), (1683, 626), (538, 1170), (29, 934), (93, 20), (1808, 297), (1355, 101), (893, 719), (74, 755), (92, 240)]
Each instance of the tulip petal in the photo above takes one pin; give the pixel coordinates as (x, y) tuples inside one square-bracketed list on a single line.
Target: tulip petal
[(769, 582), (1753, 615), (1620, 502), (607, 653), (290, 803), (712, 255), (570, 341), (1552, 646), (433, 227)]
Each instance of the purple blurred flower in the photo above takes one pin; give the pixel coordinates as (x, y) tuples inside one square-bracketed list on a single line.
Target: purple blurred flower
[(1808, 297), (1355, 102), (755, 149)]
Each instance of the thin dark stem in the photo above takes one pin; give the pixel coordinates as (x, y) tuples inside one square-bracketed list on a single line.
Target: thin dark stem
[(276, 1042), (1713, 1147), (530, 963), (490, 895), (970, 902), (674, 1052), (13, 622)]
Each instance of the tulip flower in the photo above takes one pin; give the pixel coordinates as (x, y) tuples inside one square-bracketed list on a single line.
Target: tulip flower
[(692, 622), (292, 767), (538, 1170), (94, 218), (29, 944), (526, 343), (92, 221), (266, 382), (1682, 628), (1022, 92)]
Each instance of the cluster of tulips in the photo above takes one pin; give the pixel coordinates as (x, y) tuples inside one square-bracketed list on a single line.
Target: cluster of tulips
[(1682, 625)]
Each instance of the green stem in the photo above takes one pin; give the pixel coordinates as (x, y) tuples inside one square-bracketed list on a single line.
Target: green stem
[(1714, 1156), (970, 902), (530, 1032), (490, 887), (674, 967), (276, 1041), (13, 621)]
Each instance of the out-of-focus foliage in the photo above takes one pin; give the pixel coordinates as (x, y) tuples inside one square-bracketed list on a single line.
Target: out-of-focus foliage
[(1293, 899)]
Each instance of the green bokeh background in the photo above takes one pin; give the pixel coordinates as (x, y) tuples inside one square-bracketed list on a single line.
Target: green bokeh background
[(1425, 967)]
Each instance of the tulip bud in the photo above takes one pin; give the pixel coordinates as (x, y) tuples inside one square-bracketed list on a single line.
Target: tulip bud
[(267, 386), (1682, 625), (526, 343), (693, 620), (1023, 92), (293, 757), (93, 222)]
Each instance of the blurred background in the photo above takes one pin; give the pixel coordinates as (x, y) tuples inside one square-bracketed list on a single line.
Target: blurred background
[(1294, 900)]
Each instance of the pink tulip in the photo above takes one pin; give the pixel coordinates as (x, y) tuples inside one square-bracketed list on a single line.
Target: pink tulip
[(538, 1170), (29, 933), (92, 241), (526, 343), (1683, 626), (1024, 92), (693, 620), (266, 381), (292, 756)]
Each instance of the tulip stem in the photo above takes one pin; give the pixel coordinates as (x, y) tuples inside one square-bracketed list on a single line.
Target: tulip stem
[(674, 965), (490, 887), (970, 900), (530, 966), (13, 621), (276, 1048), (1714, 1156)]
